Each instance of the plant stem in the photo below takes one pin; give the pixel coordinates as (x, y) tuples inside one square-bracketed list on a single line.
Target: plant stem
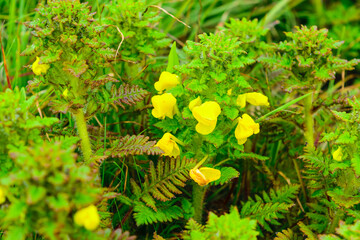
[(198, 202), (83, 134), (309, 122)]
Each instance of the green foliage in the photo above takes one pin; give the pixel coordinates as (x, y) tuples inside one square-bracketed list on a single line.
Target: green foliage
[(270, 207), (43, 190), (160, 184), (307, 59), (18, 125), (228, 226), (131, 145)]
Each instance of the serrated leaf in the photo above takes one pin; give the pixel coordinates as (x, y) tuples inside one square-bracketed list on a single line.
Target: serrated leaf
[(196, 86), (231, 112), (168, 125), (227, 174), (75, 67), (173, 59)]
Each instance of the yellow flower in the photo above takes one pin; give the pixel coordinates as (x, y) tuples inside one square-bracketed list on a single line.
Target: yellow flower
[(204, 175), (166, 81), (39, 69), (254, 98), (168, 145), (2, 195), (245, 128), (338, 154), (241, 100), (257, 99), (87, 217), (229, 92), (65, 93), (164, 105), (206, 114), (194, 103)]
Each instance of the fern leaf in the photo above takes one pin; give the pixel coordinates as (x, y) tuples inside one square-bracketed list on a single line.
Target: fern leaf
[(286, 234), (270, 207), (145, 215), (164, 181), (132, 145), (306, 230), (127, 94)]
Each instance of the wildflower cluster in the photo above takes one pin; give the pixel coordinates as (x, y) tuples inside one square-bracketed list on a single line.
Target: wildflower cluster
[(216, 100)]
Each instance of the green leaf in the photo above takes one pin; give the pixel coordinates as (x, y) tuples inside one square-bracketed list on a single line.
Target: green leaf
[(346, 138), (59, 203), (196, 86), (168, 125), (231, 112), (35, 194), (216, 138), (75, 67), (16, 209), (173, 59), (227, 173)]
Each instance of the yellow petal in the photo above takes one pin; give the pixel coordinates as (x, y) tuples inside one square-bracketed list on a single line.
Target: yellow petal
[(194, 103), (198, 177), (211, 174), (205, 129), (65, 93), (164, 105), (206, 114), (251, 123), (39, 69), (241, 141), (166, 81), (229, 92), (87, 217), (338, 154), (257, 99), (204, 175), (245, 128), (241, 100), (2, 195)]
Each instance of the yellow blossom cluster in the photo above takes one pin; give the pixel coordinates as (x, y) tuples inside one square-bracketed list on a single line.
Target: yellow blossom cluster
[(87, 217), (206, 115)]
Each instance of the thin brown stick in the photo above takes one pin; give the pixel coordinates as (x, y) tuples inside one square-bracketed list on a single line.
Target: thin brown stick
[(166, 12)]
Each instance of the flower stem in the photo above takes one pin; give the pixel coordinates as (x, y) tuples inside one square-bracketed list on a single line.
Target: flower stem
[(198, 202), (309, 122), (83, 134)]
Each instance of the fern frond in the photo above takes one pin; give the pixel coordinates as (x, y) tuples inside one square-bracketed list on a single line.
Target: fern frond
[(132, 145), (286, 234), (165, 213), (163, 181), (157, 237), (307, 231), (127, 94), (270, 207)]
